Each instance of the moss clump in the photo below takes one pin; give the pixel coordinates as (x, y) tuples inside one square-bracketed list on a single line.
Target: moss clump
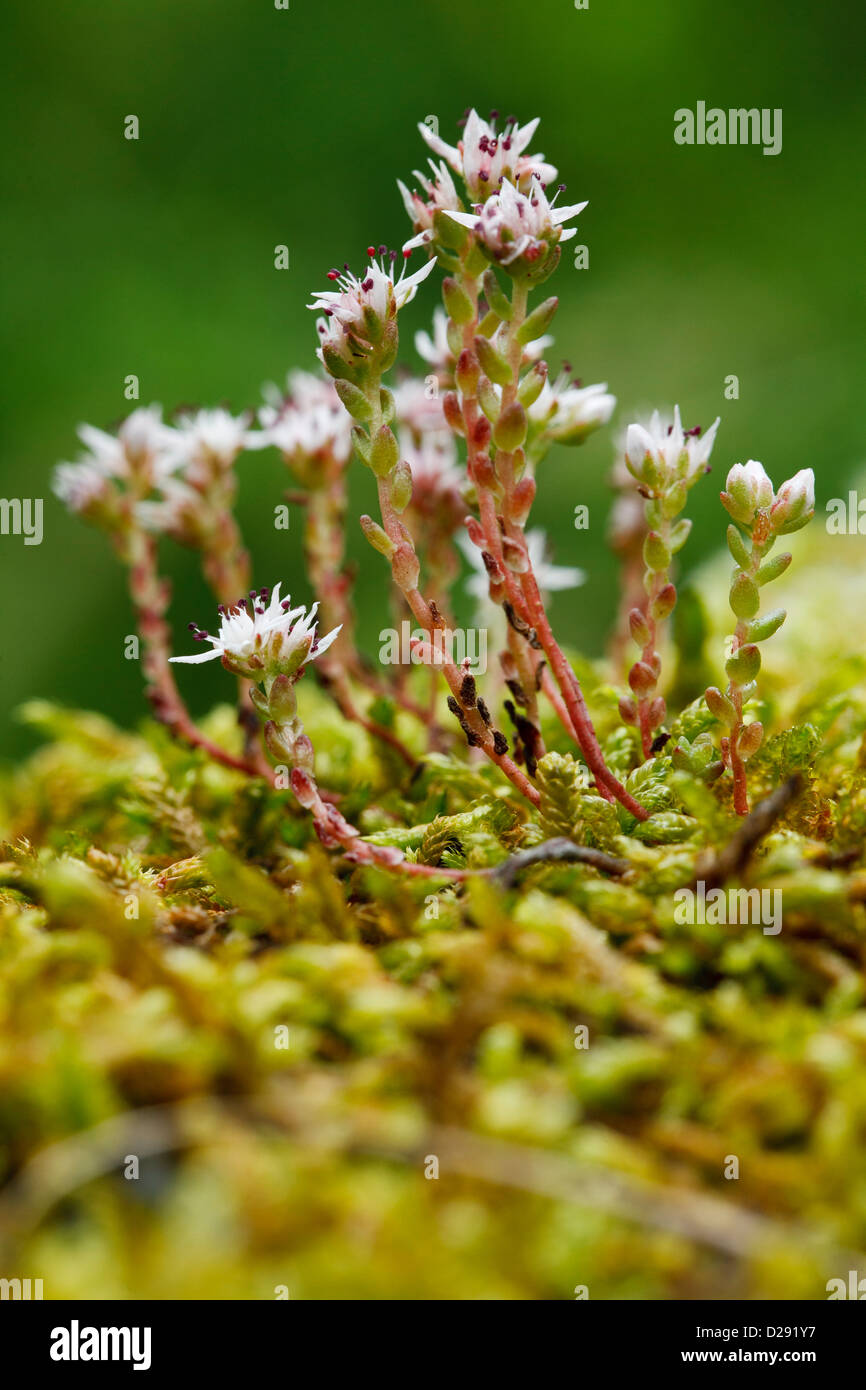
[(286, 1048)]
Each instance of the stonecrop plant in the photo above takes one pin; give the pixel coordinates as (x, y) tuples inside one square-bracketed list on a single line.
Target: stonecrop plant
[(457, 452), (476, 901)]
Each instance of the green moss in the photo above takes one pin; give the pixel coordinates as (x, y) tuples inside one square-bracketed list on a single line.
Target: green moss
[(285, 1039)]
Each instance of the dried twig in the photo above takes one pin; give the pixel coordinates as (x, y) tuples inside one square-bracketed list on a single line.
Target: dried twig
[(732, 859), (559, 850)]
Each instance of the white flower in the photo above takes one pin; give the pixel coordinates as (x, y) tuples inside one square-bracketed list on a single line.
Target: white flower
[(432, 459), (310, 423), (140, 439), (569, 412), (550, 577), (305, 391), (484, 156), (173, 513), (347, 309), (440, 195), (262, 637), (795, 502), (136, 453), (660, 453), (512, 224), (419, 408), (434, 348), (80, 486), (204, 440), (748, 489)]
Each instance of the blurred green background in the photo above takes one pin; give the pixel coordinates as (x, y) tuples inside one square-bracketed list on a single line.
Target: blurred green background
[(261, 126)]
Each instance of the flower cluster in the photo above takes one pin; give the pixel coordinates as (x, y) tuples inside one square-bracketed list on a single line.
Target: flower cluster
[(454, 459), (516, 229), (134, 461), (485, 157), (307, 424), (262, 636), (357, 324)]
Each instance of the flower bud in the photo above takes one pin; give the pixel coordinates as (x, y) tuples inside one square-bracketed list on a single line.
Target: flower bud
[(747, 490), (795, 503)]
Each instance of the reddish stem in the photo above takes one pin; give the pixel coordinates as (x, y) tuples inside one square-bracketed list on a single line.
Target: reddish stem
[(150, 596)]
